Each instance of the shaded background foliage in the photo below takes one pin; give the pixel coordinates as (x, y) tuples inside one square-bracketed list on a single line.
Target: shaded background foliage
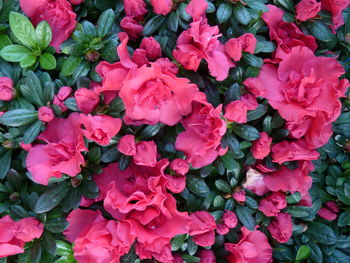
[(209, 188)]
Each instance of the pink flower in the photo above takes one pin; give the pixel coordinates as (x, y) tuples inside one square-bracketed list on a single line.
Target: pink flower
[(137, 195), (335, 7), (135, 8), (58, 13), (152, 95), (239, 196), (202, 228), (61, 154), (255, 87), (131, 27), (307, 9), (162, 7), (152, 47), (273, 204), (97, 239), (203, 132), (146, 153), (261, 147), (76, 2), (87, 100), (305, 90), (199, 42), (222, 229), (197, 8), (180, 166), (296, 180), (6, 89), (127, 145), (329, 212), (236, 111), (64, 92), (100, 128), (206, 256), (253, 247), (287, 151), (45, 114), (235, 46), (113, 75), (13, 235), (25, 147), (230, 219), (286, 35), (255, 182), (281, 228)]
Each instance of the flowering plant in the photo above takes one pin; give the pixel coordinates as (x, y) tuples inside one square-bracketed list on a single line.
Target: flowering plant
[(174, 131)]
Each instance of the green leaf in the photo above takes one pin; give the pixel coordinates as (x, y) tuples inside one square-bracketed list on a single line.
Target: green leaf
[(23, 29), (17, 118), (294, 198), (224, 12), (246, 132), (14, 53), (49, 243), (56, 225), (218, 201), (27, 61), (257, 5), (47, 61), (70, 64), (197, 185), (51, 198), (344, 219), (288, 4), (321, 31), (63, 248), (264, 47), (71, 104), (32, 132), (105, 22), (321, 233), (242, 14), (151, 130), (245, 216), (153, 25), (190, 259), (4, 41), (192, 247), (33, 90), (72, 200), (257, 113), (303, 253), (223, 186), (5, 163), (173, 21), (43, 34), (252, 60), (177, 242), (35, 251)]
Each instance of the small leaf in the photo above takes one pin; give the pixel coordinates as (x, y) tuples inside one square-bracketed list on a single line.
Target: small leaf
[(14, 53), (5, 163), (51, 198), (303, 253), (223, 186), (105, 22), (32, 132), (344, 219), (252, 60), (242, 14), (23, 29), (43, 34), (177, 241), (56, 225), (19, 117), (321, 233), (47, 61), (197, 185), (246, 132), (153, 25), (245, 216), (28, 61), (224, 12)]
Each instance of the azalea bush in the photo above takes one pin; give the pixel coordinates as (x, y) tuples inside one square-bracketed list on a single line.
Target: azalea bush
[(174, 131)]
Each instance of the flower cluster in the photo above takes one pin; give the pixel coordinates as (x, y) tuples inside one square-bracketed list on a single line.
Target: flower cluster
[(153, 146)]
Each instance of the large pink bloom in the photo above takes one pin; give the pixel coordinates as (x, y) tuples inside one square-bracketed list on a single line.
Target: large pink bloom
[(305, 90), (152, 95), (58, 13), (13, 235), (138, 196), (203, 132), (199, 42), (253, 247), (97, 239), (286, 35), (61, 154)]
